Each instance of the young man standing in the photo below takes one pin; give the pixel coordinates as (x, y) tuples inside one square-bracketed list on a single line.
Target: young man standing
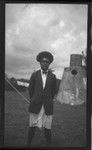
[(42, 89)]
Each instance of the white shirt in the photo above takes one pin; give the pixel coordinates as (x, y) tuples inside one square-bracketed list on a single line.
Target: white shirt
[(44, 77)]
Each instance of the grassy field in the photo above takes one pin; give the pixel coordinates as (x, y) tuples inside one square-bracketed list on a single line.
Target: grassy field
[(68, 127)]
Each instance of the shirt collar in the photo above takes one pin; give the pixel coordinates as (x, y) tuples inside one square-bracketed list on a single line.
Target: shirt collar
[(42, 71)]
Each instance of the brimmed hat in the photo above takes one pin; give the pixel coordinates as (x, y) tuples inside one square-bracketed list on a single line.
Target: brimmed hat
[(44, 54)]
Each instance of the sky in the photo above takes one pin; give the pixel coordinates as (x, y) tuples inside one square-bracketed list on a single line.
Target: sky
[(31, 28)]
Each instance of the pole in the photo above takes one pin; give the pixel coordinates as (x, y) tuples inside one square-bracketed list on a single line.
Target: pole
[(18, 92)]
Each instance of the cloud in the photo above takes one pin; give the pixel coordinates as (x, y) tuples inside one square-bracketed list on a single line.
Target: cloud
[(60, 29)]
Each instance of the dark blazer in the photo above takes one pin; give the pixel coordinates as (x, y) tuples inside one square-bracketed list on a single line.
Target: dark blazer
[(40, 96)]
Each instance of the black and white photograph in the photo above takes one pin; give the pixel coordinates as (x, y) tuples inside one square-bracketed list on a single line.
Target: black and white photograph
[(91, 75), (45, 75)]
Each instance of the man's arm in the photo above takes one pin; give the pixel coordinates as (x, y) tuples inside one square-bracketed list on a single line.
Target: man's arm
[(54, 90), (31, 85)]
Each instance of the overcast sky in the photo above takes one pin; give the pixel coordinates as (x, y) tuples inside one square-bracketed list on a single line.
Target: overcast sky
[(31, 28)]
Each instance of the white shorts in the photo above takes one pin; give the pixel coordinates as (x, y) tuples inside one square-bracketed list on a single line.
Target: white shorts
[(40, 120)]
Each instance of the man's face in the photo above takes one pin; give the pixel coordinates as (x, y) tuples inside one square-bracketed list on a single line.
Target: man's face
[(44, 64)]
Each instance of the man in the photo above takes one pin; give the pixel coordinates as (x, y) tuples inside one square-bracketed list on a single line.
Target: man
[(42, 89)]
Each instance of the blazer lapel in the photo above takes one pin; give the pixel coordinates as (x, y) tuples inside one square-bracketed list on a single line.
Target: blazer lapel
[(40, 79), (47, 80)]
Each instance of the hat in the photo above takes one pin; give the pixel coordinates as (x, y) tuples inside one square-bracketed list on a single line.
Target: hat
[(44, 54)]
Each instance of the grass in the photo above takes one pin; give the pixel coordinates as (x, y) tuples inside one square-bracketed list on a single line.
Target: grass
[(68, 127)]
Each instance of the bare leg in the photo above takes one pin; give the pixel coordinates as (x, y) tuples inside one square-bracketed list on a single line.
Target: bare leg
[(48, 136), (31, 133)]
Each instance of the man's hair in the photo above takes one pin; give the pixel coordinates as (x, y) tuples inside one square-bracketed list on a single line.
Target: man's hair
[(44, 54)]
